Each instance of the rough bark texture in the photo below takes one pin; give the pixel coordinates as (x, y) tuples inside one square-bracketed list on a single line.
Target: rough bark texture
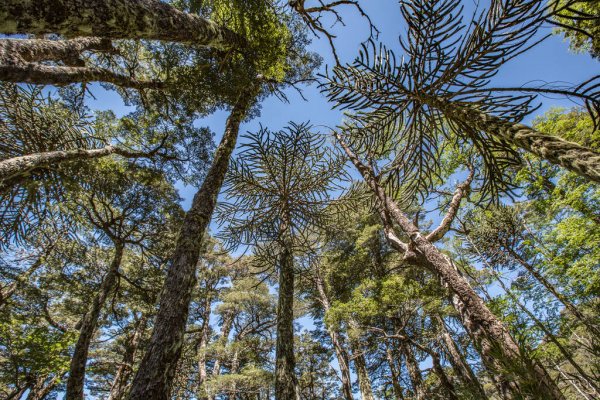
[(114, 19), (119, 386), (12, 169), (398, 392), (59, 76), (414, 372), (456, 358), (16, 51), (520, 375), (155, 375), (285, 379), (572, 156), (337, 340), (88, 326)]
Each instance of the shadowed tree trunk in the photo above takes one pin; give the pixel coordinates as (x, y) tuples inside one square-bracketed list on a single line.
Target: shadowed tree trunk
[(114, 19), (16, 169), (119, 386), (202, 345), (157, 369), (572, 156), (395, 372), (414, 372), (460, 365), (43, 387), (340, 351), (89, 323), (285, 378), (360, 364), (522, 376)]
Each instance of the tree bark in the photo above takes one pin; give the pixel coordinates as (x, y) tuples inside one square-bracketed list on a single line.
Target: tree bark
[(42, 74), (114, 19), (118, 388), (460, 365), (572, 156), (157, 369), (17, 51), (398, 392), (360, 364), (414, 372), (523, 377), (42, 388), (336, 339), (202, 345), (9, 290), (285, 378), (75, 382), (12, 169)]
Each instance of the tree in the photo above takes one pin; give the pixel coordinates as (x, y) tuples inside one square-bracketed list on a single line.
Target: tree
[(277, 190)]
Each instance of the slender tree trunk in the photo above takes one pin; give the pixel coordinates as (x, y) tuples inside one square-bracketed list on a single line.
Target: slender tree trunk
[(75, 382), (414, 372), (7, 292), (119, 386), (336, 339), (574, 157), (202, 345), (360, 364), (157, 369), (114, 19), (493, 339), (15, 170), (398, 392), (39, 392), (285, 379), (571, 308), (228, 319), (449, 390), (460, 365)]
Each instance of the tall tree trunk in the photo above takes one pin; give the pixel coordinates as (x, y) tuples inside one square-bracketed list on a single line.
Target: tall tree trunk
[(43, 388), (157, 369), (448, 388), (569, 306), (202, 345), (524, 377), (114, 19), (89, 323), (119, 386), (16, 169), (223, 339), (572, 156), (337, 340), (360, 364), (285, 378), (414, 372), (395, 372), (458, 361)]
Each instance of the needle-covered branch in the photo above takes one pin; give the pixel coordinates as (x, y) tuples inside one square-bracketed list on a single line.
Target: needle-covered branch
[(114, 19)]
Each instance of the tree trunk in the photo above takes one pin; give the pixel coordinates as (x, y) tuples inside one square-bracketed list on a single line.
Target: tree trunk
[(75, 382), (157, 369), (39, 392), (17, 51), (119, 386), (337, 340), (360, 364), (414, 372), (228, 319), (456, 358), (42, 74), (202, 345), (114, 19), (448, 388), (9, 290), (572, 156), (285, 378), (494, 341), (398, 392), (14, 170)]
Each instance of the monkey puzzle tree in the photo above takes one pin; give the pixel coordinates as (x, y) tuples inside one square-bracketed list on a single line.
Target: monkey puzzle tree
[(276, 193), (442, 91)]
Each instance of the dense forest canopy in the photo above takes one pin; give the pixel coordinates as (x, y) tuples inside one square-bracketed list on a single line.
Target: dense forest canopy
[(299, 200)]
